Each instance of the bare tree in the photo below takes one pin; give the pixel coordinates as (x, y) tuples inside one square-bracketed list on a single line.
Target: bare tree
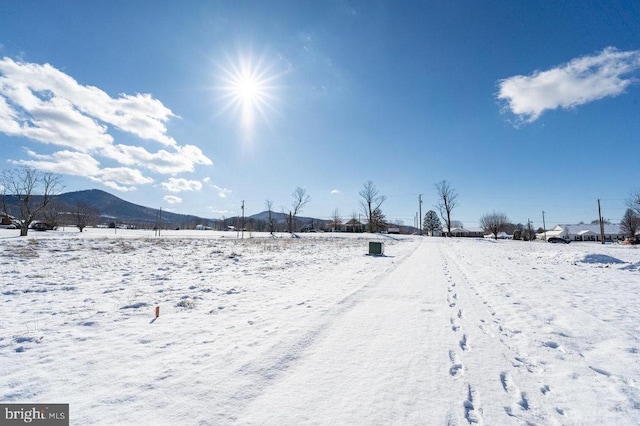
[(336, 220), (447, 202), (269, 205), (31, 190), (84, 215), (52, 214), (494, 223), (630, 223), (633, 202), (371, 201), (457, 224), (300, 199), (355, 222), (378, 220)]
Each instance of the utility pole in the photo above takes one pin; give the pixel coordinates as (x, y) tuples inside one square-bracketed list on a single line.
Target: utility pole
[(601, 222), (544, 226), (420, 213), (243, 219), (158, 222), (529, 229)]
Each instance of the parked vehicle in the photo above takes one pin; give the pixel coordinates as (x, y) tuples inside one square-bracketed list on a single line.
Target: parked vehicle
[(40, 226), (557, 240)]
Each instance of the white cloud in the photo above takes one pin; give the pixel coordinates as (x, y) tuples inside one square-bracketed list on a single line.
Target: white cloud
[(172, 199), (164, 162), (578, 82), (81, 164), (335, 191), (43, 104), (125, 175), (114, 185), (138, 114), (64, 162), (180, 184), (222, 192)]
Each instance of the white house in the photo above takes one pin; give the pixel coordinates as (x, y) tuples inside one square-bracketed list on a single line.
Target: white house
[(501, 236), (585, 232), (466, 232)]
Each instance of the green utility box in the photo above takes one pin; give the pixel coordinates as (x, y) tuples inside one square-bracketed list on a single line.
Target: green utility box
[(376, 248)]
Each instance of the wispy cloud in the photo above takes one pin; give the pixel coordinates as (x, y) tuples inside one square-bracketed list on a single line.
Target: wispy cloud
[(43, 104), (222, 192), (172, 199), (580, 81), (180, 185), (335, 191)]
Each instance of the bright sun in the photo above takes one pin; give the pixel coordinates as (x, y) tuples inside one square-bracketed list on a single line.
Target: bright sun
[(247, 89)]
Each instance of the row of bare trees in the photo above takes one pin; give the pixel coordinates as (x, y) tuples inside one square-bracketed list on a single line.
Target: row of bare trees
[(371, 205)]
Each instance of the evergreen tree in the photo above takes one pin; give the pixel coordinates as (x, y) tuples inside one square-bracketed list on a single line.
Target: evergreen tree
[(431, 222)]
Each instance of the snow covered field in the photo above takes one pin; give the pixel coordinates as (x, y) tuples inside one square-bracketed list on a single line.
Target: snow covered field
[(310, 330)]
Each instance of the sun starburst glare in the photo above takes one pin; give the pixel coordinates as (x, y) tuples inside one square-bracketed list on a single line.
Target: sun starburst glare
[(247, 88)]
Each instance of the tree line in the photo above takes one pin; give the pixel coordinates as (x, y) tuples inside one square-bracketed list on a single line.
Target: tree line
[(33, 196)]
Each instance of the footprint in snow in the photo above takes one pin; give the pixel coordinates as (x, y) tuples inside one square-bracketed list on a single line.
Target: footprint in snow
[(456, 366)]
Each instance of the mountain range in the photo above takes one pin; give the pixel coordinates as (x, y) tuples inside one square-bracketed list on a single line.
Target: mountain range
[(116, 210), (113, 210)]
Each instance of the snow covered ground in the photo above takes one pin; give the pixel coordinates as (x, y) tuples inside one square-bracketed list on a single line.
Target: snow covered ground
[(310, 330)]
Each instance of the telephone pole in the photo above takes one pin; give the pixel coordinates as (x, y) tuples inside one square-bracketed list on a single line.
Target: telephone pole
[(544, 226), (420, 213), (158, 222), (243, 219), (601, 223)]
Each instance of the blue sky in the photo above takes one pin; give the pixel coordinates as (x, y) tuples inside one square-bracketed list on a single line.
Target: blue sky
[(194, 106)]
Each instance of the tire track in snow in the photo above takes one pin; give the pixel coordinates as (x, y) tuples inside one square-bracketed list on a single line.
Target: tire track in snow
[(282, 357), (368, 362)]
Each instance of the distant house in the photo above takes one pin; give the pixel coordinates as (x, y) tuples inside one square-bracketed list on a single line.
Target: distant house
[(353, 225), (585, 232), (7, 221), (393, 229), (501, 236), (466, 232)]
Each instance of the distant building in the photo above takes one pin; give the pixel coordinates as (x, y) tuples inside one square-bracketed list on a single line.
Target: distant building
[(585, 232), (466, 232), (8, 221), (501, 236), (5, 219), (393, 229), (354, 225)]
